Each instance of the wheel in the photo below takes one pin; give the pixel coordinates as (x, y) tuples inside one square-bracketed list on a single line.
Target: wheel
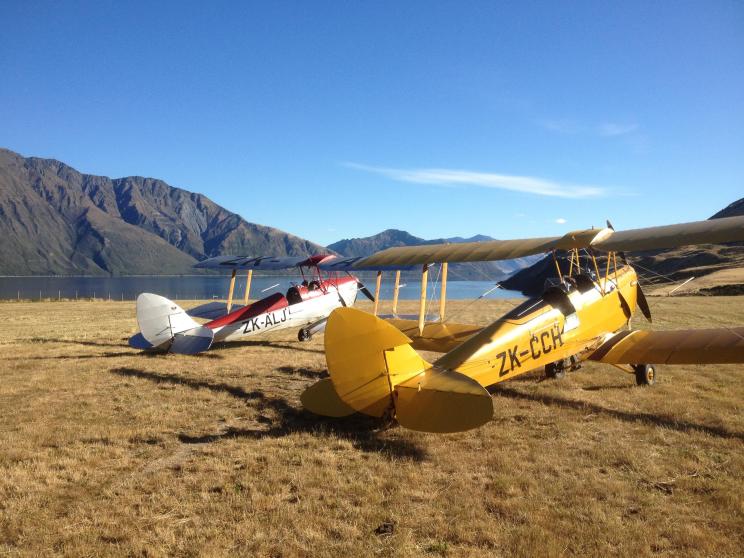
[(555, 370), (645, 374), (304, 335)]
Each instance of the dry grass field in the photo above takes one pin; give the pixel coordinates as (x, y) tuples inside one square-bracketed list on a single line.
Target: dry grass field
[(106, 451)]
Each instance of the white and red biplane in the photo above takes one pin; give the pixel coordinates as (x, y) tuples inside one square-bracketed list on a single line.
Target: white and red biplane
[(165, 326)]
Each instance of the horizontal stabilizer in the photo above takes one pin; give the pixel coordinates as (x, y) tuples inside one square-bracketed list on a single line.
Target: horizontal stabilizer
[(212, 310), (321, 398), (442, 401), (192, 341), (684, 346), (139, 342)]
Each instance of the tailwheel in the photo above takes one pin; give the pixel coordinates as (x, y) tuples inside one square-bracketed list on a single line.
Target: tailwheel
[(645, 374), (304, 335), (555, 370)]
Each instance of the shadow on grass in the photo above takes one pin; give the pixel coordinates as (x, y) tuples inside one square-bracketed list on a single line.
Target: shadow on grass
[(76, 342), (362, 431), (130, 353), (292, 346), (628, 416), (302, 371), (623, 387)]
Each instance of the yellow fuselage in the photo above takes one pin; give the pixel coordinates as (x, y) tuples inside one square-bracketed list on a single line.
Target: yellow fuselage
[(546, 329)]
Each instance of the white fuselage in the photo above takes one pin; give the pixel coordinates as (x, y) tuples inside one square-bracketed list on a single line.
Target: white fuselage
[(299, 314)]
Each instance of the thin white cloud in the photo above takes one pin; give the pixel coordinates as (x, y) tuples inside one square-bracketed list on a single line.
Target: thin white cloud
[(561, 221), (611, 129), (567, 126), (454, 177), (560, 125)]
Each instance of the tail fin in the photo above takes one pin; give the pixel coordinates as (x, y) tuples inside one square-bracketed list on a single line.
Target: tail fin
[(374, 370), (166, 326)]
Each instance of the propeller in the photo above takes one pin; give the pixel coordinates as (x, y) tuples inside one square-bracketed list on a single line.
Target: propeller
[(365, 291), (640, 297), (642, 302)]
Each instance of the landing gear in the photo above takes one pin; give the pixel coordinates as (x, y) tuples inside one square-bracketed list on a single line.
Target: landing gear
[(557, 370), (304, 335), (645, 374)]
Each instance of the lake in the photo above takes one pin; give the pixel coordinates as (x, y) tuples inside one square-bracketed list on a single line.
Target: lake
[(208, 287)]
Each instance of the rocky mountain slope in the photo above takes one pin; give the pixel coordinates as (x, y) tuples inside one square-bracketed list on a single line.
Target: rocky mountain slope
[(56, 220)]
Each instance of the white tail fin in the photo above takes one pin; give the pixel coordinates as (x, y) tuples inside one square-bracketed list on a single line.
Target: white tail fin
[(166, 326)]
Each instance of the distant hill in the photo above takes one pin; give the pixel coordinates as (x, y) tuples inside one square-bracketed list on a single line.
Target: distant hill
[(696, 261), (674, 263), (732, 210), (55, 220), (393, 237)]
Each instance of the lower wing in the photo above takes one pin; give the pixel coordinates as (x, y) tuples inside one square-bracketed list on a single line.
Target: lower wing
[(682, 346), (436, 336)]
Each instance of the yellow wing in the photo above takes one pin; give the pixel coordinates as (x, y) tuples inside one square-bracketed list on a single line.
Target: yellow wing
[(682, 346), (436, 336), (727, 229)]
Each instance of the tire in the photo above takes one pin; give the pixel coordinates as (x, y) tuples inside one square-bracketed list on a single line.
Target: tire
[(555, 370), (645, 374), (304, 335)]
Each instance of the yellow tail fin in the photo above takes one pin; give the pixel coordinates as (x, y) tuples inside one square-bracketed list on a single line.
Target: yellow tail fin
[(374, 369), (367, 358)]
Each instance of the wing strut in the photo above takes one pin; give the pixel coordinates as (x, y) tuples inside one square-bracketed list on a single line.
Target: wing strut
[(232, 289), (248, 279), (422, 302), (557, 266), (443, 294), (396, 288), (377, 292)]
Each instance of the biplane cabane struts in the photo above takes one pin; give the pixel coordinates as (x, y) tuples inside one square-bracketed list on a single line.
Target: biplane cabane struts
[(375, 370)]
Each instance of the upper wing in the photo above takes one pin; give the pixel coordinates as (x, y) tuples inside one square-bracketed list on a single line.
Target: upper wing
[(711, 231), (353, 264), (326, 262), (263, 262), (728, 229), (462, 252), (683, 346)]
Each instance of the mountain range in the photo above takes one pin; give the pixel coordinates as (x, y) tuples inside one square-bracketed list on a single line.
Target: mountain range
[(55, 220)]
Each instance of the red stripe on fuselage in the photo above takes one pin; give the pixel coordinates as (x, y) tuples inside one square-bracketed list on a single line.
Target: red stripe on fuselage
[(277, 301)]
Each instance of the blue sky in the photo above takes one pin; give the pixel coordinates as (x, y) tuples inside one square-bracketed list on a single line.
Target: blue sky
[(341, 119)]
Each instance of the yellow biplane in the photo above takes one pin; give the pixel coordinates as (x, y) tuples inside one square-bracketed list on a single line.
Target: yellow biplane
[(374, 368)]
